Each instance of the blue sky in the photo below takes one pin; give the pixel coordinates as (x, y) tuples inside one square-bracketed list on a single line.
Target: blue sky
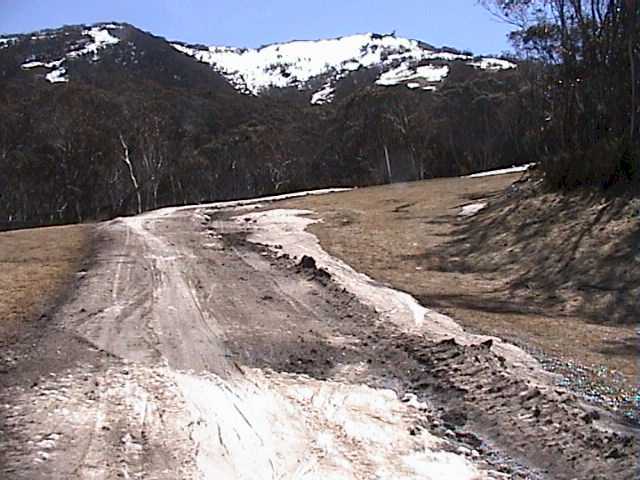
[(250, 23)]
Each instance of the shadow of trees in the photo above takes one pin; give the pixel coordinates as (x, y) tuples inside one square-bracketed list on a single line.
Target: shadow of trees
[(579, 252)]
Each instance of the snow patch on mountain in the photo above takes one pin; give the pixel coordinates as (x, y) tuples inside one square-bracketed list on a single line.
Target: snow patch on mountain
[(405, 73), (7, 42), (36, 64), (324, 95), (57, 76), (294, 64), (493, 64), (100, 39)]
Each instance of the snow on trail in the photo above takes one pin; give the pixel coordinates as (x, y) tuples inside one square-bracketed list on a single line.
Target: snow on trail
[(253, 424), (471, 209), (286, 228), (256, 202), (275, 425), (502, 171)]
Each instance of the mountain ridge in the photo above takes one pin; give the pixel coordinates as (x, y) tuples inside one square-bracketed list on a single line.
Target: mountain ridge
[(316, 67)]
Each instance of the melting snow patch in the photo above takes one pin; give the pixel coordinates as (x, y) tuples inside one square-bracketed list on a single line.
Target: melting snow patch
[(272, 425), (471, 209), (324, 95), (43, 37), (7, 42), (292, 64), (289, 64), (434, 465), (502, 171), (448, 56), (245, 202), (29, 65), (101, 38), (286, 228), (46, 444), (54, 64), (57, 76), (492, 64), (404, 73)]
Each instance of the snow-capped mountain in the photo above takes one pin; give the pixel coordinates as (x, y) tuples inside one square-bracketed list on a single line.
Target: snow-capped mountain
[(103, 54), (304, 64), (94, 39), (316, 71)]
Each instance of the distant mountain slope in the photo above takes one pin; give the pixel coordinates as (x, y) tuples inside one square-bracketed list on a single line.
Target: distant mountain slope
[(102, 54), (307, 64), (319, 69)]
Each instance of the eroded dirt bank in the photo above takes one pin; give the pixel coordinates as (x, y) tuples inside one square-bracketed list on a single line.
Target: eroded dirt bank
[(191, 351)]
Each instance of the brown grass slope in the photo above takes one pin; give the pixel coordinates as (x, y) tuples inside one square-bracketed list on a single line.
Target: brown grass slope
[(36, 267), (578, 252)]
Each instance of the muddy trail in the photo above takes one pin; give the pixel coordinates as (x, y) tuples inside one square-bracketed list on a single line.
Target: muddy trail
[(221, 342)]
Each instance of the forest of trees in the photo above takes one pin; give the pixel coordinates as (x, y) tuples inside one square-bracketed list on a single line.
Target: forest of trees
[(121, 139), (589, 85)]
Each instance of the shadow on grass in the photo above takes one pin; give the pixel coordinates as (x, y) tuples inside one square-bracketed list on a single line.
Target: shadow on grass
[(583, 246)]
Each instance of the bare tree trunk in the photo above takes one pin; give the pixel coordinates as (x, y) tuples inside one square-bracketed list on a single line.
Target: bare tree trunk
[(633, 91), (134, 181), (386, 157), (632, 65)]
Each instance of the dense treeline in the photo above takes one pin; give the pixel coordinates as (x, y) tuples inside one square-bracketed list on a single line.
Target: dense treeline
[(589, 86), (475, 121)]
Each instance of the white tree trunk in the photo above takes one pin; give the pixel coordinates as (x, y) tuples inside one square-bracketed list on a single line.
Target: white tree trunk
[(134, 181), (386, 157)]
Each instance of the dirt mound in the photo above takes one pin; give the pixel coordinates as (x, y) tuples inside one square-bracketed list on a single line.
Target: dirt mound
[(307, 264)]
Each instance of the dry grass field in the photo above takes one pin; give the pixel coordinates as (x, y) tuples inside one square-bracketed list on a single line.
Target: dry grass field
[(36, 267), (534, 271)]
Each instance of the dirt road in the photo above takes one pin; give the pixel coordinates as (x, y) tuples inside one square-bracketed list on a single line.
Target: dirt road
[(196, 346)]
